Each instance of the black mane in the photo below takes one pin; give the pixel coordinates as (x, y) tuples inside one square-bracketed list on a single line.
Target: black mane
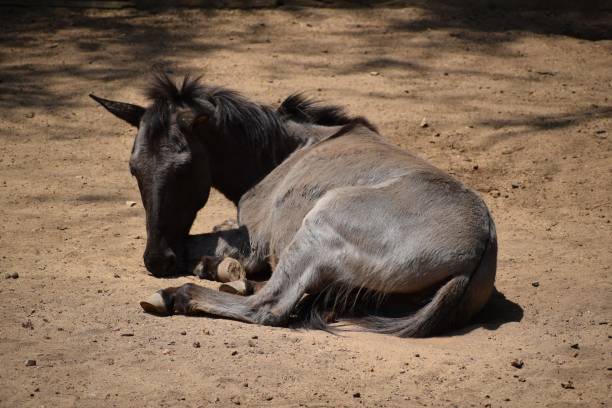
[(251, 124), (302, 109)]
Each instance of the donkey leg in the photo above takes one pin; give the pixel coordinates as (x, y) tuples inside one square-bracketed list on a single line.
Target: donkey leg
[(296, 272), (209, 253)]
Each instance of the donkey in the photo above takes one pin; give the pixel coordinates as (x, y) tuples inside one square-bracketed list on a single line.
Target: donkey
[(346, 221)]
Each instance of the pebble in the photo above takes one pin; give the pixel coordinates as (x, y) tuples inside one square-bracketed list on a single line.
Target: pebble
[(517, 363), (30, 363), (375, 73), (424, 123), (568, 385), (535, 284), (130, 203), (357, 395), (196, 344), (515, 184), (183, 333), (575, 346), (235, 352)]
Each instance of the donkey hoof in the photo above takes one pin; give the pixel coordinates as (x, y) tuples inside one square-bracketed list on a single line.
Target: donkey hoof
[(230, 270), (155, 304), (239, 287)]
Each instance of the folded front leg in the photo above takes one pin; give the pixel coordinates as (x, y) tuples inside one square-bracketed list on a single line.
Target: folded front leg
[(219, 269)]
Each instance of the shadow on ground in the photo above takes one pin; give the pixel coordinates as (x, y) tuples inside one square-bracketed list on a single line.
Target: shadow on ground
[(499, 311), (118, 42)]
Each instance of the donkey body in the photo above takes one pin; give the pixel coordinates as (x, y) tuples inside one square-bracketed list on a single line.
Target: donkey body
[(338, 213)]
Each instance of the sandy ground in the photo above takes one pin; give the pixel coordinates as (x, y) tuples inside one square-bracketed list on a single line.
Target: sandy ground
[(517, 105)]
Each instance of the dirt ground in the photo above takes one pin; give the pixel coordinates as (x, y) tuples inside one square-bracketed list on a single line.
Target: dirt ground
[(518, 106)]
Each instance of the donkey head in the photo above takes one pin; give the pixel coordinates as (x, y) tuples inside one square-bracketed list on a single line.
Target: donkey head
[(171, 165)]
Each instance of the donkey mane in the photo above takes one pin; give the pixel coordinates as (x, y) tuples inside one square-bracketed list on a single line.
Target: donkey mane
[(300, 108), (253, 121), (250, 123)]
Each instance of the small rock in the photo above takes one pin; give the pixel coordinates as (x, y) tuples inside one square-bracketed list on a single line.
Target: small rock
[(535, 284), (254, 337), (183, 333), (130, 203), (417, 355), (196, 344), (7, 276), (235, 352), (29, 115), (515, 184), (127, 334), (424, 123), (166, 352), (600, 132), (269, 398), (517, 363), (357, 395), (28, 325), (14, 275), (116, 275), (30, 363), (375, 73), (575, 346), (568, 385), (475, 167)]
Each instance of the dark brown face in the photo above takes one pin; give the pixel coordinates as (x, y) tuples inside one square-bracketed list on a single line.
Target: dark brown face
[(171, 167), (173, 176)]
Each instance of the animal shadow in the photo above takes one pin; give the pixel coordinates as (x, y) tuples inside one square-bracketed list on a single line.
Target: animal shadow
[(497, 312)]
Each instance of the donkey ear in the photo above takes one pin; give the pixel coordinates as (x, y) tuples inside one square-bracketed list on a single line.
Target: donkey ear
[(126, 111)]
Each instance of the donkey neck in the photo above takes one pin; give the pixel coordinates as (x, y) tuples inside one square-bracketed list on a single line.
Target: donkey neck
[(237, 164), (237, 167)]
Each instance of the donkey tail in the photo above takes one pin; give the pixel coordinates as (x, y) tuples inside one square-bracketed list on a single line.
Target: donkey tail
[(451, 307)]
